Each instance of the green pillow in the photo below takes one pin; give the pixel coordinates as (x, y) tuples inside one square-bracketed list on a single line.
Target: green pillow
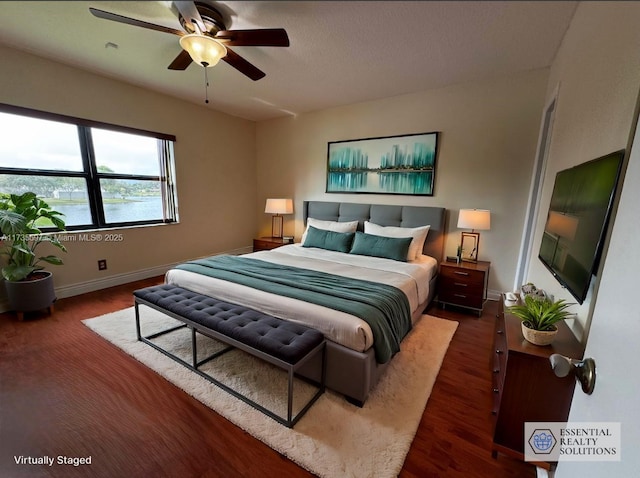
[(330, 240), (395, 248)]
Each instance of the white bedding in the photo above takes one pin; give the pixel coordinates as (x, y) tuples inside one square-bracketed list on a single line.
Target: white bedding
[(347, 330)]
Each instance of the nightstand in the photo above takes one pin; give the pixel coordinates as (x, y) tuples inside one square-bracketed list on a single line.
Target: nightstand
[(464, 284), (268, 243)]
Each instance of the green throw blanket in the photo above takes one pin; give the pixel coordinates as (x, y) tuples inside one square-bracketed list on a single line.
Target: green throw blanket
[(385, 308)]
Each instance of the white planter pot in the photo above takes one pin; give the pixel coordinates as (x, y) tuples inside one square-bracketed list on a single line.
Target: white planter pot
[(539, 337)]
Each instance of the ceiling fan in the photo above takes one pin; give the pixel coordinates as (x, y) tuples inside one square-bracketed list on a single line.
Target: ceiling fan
[(205, 38)]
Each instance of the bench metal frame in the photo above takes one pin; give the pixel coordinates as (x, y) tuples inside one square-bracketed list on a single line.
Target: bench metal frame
[(291, 369)]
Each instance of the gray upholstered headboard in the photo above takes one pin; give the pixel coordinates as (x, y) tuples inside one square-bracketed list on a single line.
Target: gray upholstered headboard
[(385, 215)]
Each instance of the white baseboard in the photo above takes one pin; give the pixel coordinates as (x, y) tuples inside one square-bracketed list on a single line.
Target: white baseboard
[(117, 279), (111, 281)]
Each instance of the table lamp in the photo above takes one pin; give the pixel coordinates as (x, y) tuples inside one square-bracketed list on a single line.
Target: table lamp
[(278, 207), (473, 219)]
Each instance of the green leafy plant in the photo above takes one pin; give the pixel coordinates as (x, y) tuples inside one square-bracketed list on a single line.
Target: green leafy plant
[(539, 313), (21, 217)]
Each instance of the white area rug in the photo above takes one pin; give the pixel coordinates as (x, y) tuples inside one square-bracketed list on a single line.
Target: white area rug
[(334, 438)]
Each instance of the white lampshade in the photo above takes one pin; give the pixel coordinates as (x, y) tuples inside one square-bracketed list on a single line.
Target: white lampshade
[(279, 206), (474, 219), (203, 49)]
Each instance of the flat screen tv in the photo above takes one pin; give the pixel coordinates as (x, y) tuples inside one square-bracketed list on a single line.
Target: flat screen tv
[(577, 221)]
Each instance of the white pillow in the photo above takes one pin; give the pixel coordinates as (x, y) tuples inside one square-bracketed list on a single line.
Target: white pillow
[(334, 226), (419, 235)]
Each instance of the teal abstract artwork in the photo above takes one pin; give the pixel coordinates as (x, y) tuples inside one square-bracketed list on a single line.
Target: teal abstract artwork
[(390, 165)]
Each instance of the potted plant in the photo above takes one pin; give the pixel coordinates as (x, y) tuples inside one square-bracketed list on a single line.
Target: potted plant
[(539, 316), (28, 286)]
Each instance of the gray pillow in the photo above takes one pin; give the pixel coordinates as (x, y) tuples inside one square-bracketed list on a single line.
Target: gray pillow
[(330, 240), (395, 248)]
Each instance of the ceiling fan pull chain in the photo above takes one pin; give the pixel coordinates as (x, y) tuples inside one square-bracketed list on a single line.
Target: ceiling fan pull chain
[(206, 86)]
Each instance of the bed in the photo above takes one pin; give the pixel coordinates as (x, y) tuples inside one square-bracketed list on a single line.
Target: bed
[(355, 359)]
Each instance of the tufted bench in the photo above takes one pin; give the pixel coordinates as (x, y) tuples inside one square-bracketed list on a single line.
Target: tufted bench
[(282, 343)]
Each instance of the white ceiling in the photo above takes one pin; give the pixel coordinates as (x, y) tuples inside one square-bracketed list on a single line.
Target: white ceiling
[(341, 52)]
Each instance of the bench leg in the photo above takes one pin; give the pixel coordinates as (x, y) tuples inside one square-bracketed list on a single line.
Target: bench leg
[(157, 334), (194, 348), (290, 398), (137, 320)]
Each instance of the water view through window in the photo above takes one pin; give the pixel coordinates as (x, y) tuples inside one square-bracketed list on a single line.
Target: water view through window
[(72, 166), (131, 209)]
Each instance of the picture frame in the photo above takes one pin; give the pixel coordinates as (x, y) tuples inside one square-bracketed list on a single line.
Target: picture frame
[(469, 242), (404, 164)]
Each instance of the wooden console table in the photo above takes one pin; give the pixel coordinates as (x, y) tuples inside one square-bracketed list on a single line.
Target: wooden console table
[(525, 389)]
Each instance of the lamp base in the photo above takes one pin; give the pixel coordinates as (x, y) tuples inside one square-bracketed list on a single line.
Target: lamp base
[(276, 226)]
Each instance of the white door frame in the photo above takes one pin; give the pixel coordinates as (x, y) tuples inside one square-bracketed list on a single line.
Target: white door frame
[(537, 179)]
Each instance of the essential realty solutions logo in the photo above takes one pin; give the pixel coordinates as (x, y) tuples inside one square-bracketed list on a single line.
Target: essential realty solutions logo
[(578, 441), (542, 441)]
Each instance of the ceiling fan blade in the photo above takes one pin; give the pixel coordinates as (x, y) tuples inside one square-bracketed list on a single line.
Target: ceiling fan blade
[(191, 15), (261, 37), (242, 65), (181, 62), (132, 21)]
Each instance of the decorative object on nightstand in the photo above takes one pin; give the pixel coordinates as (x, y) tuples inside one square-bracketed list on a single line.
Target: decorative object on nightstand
[(472, 219), (278, 207), (464, 284)]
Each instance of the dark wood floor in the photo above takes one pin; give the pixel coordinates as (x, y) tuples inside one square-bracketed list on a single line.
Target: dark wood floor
[(65, 391)]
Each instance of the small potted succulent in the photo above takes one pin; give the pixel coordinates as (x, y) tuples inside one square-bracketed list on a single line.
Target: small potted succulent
[(539, 316), (28, 286)]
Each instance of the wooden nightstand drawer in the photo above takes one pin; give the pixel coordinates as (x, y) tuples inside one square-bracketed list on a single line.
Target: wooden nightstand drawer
[(268, 243), (472, 297), (466, 276)]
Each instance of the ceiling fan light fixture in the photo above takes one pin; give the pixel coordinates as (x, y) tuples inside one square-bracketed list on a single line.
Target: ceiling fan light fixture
[(203, 49)]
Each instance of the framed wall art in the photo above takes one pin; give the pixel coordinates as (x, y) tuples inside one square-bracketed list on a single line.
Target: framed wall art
[(390, 165)]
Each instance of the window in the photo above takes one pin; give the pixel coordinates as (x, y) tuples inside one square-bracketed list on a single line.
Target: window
[(98, 175)]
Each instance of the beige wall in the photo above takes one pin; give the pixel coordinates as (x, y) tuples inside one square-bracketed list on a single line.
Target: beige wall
[(485, 156), (597, 74), (215, 168)]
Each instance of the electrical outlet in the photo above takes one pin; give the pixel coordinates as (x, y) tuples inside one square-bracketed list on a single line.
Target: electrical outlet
[(102, 265)]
